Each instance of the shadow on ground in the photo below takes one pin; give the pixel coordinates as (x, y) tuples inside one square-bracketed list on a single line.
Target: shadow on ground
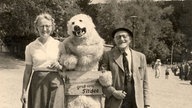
[(184, 84)]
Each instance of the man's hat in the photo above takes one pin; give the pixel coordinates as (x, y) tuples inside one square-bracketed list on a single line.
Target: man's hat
[(122, 29)]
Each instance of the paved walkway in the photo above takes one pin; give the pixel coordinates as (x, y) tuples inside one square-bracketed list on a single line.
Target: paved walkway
[(171, 93), (11, 73)]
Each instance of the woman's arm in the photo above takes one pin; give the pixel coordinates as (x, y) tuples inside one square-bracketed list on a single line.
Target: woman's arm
[(26, 79)]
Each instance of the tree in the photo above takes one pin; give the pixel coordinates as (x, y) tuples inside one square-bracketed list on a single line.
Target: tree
[(152, 26), (17, 19), (110, 16), (156, 26)]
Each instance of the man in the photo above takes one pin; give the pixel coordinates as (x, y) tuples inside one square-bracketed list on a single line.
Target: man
[(128, 67)]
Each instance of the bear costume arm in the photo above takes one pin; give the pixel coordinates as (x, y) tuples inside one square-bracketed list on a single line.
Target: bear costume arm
[(106, 78), (67, 59)]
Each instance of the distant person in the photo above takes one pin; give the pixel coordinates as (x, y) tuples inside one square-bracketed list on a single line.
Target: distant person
[(167, 71), (185, 68), (182, 74), (157, 68), (41, 57), (190, 73), (130, 88), (176, 69), (153, 64)]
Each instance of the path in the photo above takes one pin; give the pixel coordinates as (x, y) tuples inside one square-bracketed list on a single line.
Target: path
[(11, 73), (170, 93)]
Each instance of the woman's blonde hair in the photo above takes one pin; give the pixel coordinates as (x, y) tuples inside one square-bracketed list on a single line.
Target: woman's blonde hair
[(45, 16)]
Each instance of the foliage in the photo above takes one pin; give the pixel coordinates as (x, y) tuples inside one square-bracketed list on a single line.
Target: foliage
[(150, 23), (155, 26), (17, 19), (109, 17)]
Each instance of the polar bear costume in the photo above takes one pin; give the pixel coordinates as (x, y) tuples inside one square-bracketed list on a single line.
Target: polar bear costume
[(81, 52)]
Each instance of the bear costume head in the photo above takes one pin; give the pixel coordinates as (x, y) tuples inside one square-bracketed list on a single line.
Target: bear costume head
[(82, 50), (80, 25)]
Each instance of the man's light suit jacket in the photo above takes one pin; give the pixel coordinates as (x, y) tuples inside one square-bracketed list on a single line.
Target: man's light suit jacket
[(114, 63)]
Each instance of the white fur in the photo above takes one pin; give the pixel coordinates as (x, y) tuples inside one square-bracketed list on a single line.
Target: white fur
[(82, 54), (84, 102), (86, 22), (105, 79)]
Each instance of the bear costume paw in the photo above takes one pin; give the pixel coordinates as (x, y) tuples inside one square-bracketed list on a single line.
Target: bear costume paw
[(69, 61), (105, 79), (85, 60)]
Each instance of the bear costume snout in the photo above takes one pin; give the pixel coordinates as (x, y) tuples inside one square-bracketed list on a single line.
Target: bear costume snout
[(78, 31)]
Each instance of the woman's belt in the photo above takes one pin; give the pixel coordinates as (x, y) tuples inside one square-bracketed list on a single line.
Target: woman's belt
[(45, 70)]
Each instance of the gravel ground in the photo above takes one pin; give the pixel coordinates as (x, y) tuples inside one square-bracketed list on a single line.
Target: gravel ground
[(165, 93)]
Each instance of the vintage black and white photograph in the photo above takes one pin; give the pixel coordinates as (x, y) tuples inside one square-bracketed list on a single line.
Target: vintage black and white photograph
[(95, 53)]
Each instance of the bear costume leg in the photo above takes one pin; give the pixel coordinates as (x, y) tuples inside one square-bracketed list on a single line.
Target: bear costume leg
[(84, 102)]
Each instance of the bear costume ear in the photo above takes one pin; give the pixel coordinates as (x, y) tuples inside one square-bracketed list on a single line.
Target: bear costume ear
[(90, 22)]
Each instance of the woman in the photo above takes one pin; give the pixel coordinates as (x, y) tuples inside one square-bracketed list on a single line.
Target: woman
[(41, 56)]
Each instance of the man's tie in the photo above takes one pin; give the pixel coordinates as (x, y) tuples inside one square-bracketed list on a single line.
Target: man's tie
[(125, 63), (126, 67), (128, 86)]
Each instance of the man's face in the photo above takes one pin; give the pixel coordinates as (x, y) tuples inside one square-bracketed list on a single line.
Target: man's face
[(122, 39)]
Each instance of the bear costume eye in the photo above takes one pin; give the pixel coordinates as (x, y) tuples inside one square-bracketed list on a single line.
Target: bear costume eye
[(80, 20), (73, 23)]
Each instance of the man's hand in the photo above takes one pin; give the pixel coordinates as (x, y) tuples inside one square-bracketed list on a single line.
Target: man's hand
[(119, 94)]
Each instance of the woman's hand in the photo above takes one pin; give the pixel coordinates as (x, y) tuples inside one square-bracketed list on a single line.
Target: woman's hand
[(24, 98), (55, 65)]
